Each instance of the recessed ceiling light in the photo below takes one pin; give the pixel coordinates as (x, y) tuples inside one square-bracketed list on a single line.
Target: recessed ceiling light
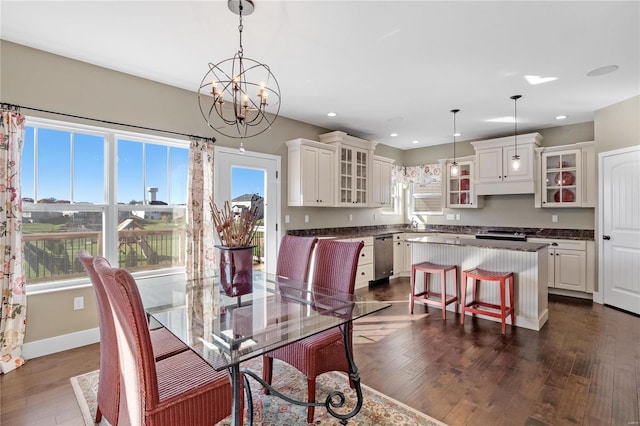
[(602, 70), (332, 114), (536, 79), (393, 135), (561, 117), (457, 134), (415, 142)]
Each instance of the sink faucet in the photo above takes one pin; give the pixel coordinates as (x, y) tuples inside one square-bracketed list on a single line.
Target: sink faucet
[(414, 224)]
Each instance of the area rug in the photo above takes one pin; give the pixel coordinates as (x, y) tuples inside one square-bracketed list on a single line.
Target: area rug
[(378, 409)]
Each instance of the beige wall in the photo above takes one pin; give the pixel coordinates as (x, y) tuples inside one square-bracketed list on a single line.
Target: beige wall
[(41, 80)]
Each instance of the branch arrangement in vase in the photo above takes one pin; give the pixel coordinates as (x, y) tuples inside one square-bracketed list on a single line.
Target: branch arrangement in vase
[(234, 232)]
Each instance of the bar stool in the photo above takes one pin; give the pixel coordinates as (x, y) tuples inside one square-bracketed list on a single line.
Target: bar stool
[(441, 299), (478, 275)]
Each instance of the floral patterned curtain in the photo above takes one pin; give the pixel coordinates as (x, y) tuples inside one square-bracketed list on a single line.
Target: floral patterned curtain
[(14, 300), (429, 173), (200, 233)]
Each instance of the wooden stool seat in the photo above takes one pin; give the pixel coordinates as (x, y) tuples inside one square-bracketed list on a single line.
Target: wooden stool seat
[(439, 299), (478, 274)]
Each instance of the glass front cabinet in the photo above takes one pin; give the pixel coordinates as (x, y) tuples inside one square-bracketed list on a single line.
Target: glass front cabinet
[(460, 187), (561, 179), (354, 165)]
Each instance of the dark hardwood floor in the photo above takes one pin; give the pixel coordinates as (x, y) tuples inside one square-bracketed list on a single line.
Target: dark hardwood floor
[(583, 367)]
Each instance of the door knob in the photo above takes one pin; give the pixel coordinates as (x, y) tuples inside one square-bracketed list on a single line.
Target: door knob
[(606, 237)]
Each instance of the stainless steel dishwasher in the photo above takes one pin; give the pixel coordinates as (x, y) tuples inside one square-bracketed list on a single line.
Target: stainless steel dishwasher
[(383, 258)]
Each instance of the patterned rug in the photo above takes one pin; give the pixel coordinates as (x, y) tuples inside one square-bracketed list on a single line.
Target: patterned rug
[(377, 409)]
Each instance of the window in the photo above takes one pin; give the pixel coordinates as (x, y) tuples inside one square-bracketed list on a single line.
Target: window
[(115, 194), (426, 198), (397, 191)]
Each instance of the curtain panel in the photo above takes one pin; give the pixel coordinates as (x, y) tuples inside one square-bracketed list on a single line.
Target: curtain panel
[(14, 300), (200, 233)]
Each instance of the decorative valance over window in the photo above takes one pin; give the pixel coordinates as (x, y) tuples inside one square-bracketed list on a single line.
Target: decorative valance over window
[(424, 175)]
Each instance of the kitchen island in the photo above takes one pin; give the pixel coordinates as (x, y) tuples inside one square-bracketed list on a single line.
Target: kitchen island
[(528, 262)]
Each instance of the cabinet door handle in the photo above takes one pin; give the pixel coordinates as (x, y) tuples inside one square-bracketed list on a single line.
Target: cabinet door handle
[(554, 244), (606, 237)]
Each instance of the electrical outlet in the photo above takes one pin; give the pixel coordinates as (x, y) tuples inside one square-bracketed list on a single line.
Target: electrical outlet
[(554, 218), (306, 218), (457, 217), (350, 217), (451, 216), (287, 219), (78, 303)]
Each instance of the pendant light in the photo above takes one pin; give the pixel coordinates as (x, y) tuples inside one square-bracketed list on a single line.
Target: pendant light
[(455, 169), (239, 97), (515, 160)]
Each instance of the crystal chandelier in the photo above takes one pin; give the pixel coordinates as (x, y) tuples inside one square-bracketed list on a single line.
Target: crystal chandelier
[(239, 97)]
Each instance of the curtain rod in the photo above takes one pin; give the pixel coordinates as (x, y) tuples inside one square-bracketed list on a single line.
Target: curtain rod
[(18, 107)]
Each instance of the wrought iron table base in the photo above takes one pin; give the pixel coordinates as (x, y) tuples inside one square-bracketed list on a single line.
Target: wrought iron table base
[(334, 400)]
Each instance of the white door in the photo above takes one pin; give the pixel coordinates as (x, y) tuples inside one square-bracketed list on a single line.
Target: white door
[(232, 170), (619, 232)]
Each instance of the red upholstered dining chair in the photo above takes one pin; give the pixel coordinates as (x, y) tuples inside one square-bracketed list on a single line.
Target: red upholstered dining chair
[(179, 390), (294, 260), (163, 342), (335, 266)]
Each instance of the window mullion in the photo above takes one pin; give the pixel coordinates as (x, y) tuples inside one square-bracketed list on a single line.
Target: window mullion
[(110, 217)]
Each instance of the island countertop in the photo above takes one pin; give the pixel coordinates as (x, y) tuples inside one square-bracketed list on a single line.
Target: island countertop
[(481, 243)]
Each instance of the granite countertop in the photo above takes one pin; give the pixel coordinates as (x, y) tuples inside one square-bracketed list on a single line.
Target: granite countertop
[(374, 231), (490, 244)]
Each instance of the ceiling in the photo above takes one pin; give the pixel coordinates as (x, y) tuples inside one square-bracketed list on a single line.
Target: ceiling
[(382, 66)]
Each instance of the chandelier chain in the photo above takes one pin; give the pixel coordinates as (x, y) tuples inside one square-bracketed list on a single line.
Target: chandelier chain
[(240, 28)]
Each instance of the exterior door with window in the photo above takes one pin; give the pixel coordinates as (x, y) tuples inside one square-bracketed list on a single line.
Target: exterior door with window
[(246, 178)]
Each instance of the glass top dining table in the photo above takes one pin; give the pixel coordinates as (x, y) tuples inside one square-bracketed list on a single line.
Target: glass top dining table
[(226, 331)]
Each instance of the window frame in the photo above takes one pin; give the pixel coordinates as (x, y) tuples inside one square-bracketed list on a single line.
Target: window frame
[(431, 195), (108, 209)]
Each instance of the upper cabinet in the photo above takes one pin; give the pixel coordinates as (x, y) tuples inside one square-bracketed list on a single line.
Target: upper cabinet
[(567, 176), (495, 173), (311, 173), (461, 187), (381, 181), (355, 160)]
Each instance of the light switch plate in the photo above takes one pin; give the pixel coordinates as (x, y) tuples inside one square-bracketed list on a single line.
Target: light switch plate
[(451, 216), (287, 219), (554, 218), (306, 218)]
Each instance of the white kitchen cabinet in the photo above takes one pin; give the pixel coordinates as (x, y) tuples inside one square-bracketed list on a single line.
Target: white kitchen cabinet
[(494, 167), (567, 176), (460, 189), (381, 182), (398, 254), (561, 179), (354, 163), (311, 176), (567, 267), (353, 176), (364, 273)]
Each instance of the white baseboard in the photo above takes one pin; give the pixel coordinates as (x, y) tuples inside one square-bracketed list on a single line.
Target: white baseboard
[(61, 343)]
